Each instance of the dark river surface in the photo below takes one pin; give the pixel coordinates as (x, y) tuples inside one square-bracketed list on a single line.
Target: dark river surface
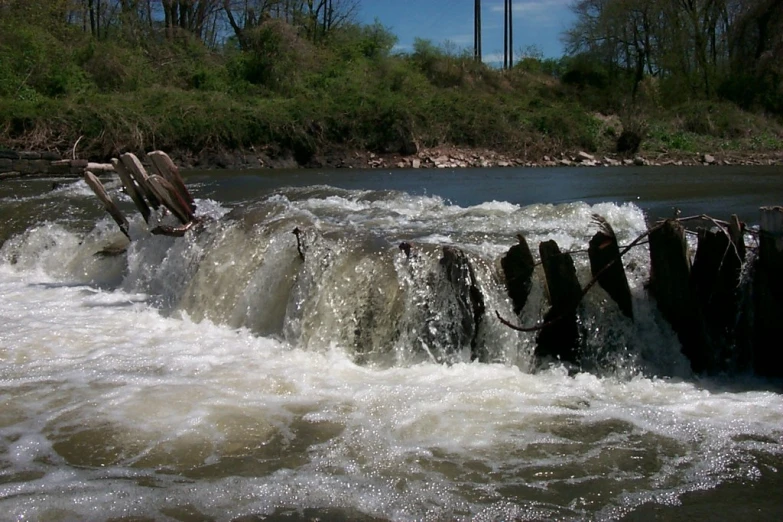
[(224, 376), (717, 191)]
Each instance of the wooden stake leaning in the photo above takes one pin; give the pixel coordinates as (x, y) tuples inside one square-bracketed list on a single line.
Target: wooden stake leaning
[(132, 189), (108, 203), (166, 168)]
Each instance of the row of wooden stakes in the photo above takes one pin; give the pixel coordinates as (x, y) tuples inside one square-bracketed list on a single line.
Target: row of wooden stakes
[(725, 322), (164, 189)]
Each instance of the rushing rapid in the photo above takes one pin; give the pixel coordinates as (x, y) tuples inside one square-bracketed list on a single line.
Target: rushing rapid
[(244, 371)]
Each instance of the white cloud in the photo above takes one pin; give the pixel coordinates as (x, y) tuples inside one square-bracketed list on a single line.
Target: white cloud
[(534, 10)]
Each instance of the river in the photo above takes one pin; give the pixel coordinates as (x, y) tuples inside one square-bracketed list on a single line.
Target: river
[(222, 376)]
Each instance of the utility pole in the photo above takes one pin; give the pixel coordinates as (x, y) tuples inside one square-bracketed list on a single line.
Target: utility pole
[(508, 34), (477, 30)]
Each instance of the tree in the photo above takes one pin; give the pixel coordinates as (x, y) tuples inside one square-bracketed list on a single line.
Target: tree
[(314, 18), (685, 42)]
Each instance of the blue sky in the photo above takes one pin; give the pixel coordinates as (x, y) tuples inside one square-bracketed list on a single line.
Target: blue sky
[(536, 22)]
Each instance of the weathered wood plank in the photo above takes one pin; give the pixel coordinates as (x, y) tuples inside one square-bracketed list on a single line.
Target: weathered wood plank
[(768, 295), (166, 168), (715, 281), (167, 194), (607, 266), (132, 189), (518, 266), (141, 177), (108, 203), (459, 272), (560, 336), (670, 270)]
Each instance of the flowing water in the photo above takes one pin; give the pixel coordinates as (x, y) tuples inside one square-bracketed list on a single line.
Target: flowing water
[(224, 376)]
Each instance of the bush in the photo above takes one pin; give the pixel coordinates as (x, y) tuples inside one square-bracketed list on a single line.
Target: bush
[(276, 57), (571, 124), (34, 61), (717, 119)]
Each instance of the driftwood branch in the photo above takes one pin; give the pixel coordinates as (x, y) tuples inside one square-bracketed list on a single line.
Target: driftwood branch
[(180, 231), (73, 151)]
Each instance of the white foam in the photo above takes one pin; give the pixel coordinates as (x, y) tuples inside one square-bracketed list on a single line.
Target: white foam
[(111, 408)]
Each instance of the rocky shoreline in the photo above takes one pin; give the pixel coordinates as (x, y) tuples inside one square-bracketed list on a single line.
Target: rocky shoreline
[(18, 164)]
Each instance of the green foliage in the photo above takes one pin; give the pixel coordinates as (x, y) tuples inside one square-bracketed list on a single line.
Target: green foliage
[(718, 119), (275, 57), (132, 90), (445, 68), (356, 41), (34, 63), (114, 68), (570, 124)]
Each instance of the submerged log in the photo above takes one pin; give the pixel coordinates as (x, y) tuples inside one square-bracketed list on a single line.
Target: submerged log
[(108, 203), (768, 295), (132, 189), (670, 270), (459, 272), (607, 266), (518, 266), (560, 336), (166, 168)]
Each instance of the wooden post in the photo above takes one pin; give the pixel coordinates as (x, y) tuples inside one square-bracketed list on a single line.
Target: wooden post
[(715, 281), (560, 335), (460, 274), (670, 269), (132, 189), (166, 168), (768, 295), (607, 266), (108, 203), (518, 266)]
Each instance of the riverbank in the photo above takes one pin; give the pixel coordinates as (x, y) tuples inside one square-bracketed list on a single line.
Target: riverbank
[(25, 164)]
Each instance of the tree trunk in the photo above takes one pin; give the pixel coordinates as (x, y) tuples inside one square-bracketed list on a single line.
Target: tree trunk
[(91, 8), (98, 19)]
